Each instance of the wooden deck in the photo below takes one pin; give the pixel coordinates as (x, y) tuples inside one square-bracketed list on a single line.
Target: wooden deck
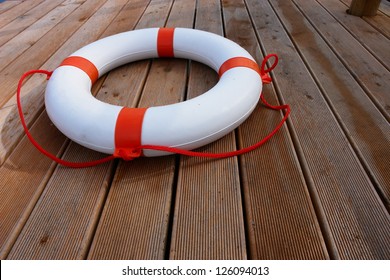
[(319, 189)]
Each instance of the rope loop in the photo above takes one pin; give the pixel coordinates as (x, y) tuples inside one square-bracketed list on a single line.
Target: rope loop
[(265, 77), (264, 70)]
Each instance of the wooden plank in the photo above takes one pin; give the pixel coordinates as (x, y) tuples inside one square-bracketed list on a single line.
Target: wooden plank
[(28, 192), (61, 220), (24, 40), (21, 23), (208, 216), (272, 180), (384, 7), (368, 36), (8, 5), (131, 12), (19, 10), (47, 53), (23, 178), (353, 219), (372, 75), (156, 13), (44, 48), (25, 183), (32, 93), (371, 137), (382, 19), (141, 193), (81, 191), (127, 19), (380, 22), (136, 10), (11, 130), (365, 126)]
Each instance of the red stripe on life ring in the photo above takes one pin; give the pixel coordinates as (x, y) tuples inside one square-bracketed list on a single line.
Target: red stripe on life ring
[(165, 42), (128, 132), (238, 62), (84, 64)]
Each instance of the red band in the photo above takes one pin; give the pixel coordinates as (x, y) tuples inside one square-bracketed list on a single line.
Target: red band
[(84, 64), (128, 131), (165, 42), (238, 62)]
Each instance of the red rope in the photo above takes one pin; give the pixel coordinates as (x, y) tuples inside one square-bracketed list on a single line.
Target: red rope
[(226, 154), (35, 143), (264, 75)]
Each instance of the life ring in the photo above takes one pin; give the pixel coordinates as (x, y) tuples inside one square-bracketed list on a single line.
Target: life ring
[(186, 125)]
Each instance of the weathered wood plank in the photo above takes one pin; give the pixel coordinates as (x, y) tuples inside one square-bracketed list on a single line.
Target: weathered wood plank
[(208, 216), (44, 48), (367, 129), (21, 23), (23, 178), (131, 12), (272, 181), (141, 193), (32, 93), (19, 10), (8, 5), (382, 19), (22, 208), (384, 7), (368, 36), (42, 55), (61, 220), (338, 183), (26, 173), (24, 40), (75, 200), (381, 23), (181, 15), (371, 74)]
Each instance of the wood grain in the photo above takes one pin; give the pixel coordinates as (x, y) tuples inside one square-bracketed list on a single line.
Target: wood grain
[(375, 42), (369, 73), (88, 192), (272, 180), (141, 194), (20, 23), (20, 10), (208, 218), (335, 175)]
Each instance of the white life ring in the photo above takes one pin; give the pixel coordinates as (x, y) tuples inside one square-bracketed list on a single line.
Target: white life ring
[(186, 125)]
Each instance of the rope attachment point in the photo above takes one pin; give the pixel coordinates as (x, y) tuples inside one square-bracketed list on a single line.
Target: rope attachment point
[(265, 77)]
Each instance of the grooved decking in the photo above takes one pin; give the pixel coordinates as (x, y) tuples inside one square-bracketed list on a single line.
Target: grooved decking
[(319, 189)]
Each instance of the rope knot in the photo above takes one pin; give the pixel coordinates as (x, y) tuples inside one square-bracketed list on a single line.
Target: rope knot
[(128, 154), (266, 78)]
